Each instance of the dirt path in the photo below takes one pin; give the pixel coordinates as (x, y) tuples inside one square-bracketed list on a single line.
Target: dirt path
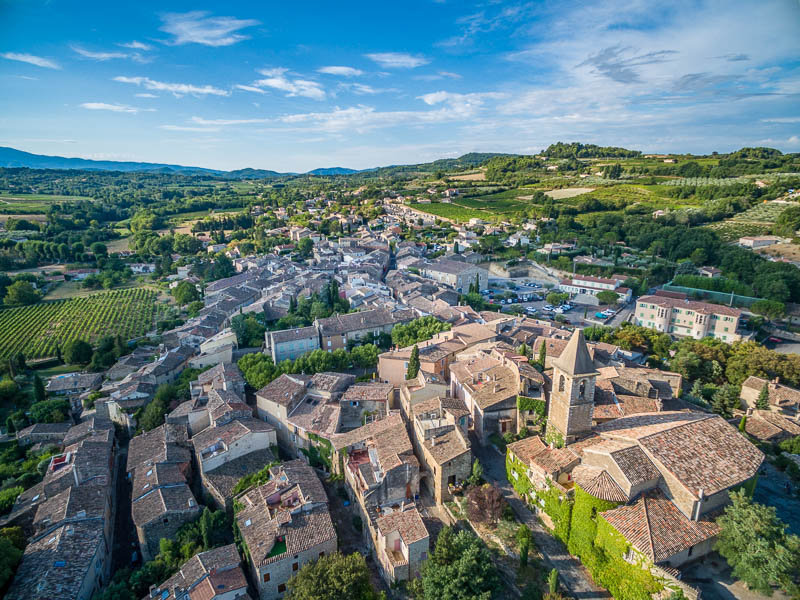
[(574, 576)]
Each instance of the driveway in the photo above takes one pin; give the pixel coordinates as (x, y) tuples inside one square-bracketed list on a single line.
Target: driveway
[(574, 576)]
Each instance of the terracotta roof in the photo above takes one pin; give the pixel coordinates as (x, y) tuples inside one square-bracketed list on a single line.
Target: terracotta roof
[(368, 391), (205, 575), (699, 307), (163, 500), (285, 390), (167, 443), (598, 483), (656, 528), (551, 461), (489, 381), (408, 523), (704, 452)]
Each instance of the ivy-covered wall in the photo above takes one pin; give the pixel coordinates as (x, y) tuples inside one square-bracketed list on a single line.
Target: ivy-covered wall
[(578, 523)]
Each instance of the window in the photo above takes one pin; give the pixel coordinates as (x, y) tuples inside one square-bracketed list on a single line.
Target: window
[(582, 389), (165, 521), (561, 381), (281, 588), (295, 566), (691, 548), (266, 577), (321, 554)]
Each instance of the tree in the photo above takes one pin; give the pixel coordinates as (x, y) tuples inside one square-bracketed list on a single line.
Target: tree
[(413, 363), (39, 394), (10, 555), (762, 403), (305, 246), (485, 503), (333, 577), (552, 581), (153, 414), (725, 400), (772, 309), (754, 542), (477, 473), (21, 292), (50, 411), (459, 568), (743, 424), (78, 352), (556, 298), (524, 537), (542, 353), (607, 297), (185, 292)]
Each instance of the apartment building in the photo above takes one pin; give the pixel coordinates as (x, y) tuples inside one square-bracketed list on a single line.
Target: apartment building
[(688, 318)]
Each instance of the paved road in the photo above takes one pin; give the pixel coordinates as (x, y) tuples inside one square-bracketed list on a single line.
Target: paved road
[(574, 577)]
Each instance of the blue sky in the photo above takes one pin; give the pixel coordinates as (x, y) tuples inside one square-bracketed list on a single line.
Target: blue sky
[(296, 85)]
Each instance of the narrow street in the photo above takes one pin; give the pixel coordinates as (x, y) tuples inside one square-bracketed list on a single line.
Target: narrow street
[(574, 576), (125, 541)]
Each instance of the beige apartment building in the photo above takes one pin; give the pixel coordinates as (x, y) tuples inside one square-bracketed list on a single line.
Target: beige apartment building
[(688, 318)]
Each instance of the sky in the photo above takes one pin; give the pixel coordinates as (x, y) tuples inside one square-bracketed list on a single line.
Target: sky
[(293, 86)]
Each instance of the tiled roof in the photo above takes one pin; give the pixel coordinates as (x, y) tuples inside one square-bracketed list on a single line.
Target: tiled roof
[(56, 566), (217, 567), (368, 391), (85, 501), (367, 319), (656, 528), (446, 446), (408, 523), (489, 382), (285, 390), (228, 433), (224, 478), (551, 461), (779, 395), (166, 443), (575, 358), (700, 307), (163, 500), (598, 483), (704, 452), (293, 335)]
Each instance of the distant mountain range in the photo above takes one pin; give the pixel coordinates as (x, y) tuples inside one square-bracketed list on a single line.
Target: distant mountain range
[(13, 158)]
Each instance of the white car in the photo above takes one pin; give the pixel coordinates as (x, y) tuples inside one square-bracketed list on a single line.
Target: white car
[(548, 307), (558, 310), (531, 310)]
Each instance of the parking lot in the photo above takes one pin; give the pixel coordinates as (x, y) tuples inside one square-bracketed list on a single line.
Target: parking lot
[(530, 294)]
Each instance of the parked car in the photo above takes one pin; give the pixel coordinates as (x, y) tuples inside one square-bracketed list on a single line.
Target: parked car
[(547, 307), (531, 310)]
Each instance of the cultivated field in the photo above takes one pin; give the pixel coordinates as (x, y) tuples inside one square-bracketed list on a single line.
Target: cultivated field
[(568, 192), (38, 330), (481, 176)]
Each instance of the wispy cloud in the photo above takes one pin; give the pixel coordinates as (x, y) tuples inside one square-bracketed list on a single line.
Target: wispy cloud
[(782, 120), (341, 71), (177, 89), (31, 59), (224, 122), (118, 108), (485, 21), (621, 64), (198, 27), (189, 128), (438, 76), (104, 56), (250, 88), (146, 95), (398, 60), (134, 45), (277, 79)]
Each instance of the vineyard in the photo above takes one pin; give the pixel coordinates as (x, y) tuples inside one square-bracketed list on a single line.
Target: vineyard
[(38, 330)]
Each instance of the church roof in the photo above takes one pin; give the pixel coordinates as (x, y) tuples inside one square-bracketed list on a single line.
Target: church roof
[(575, 358)]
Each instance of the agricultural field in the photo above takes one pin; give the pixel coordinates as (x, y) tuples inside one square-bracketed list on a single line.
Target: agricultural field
[(34, 204), (568, 192), (766, 212), (457, 213), (38, 330), (730, 231)]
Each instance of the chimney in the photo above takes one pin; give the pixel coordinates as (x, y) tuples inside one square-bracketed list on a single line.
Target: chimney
[(496, 387)]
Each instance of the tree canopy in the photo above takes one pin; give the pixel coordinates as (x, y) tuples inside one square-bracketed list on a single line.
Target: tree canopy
[(333, 577)]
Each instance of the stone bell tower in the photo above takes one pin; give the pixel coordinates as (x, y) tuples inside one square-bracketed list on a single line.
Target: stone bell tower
[(572, 398)]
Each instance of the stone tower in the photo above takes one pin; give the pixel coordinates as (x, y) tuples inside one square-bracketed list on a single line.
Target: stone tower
[(572, 397)]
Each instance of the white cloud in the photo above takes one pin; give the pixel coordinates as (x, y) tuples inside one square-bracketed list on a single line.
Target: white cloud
[(31, 59), (177, 89), (277, 79), (146, 95), (197, 27), (224, 122), (119, 108), (782, 120), (134, 45), (342, 71), (184, 128), (103, 56), (398, 60), (250, 88)]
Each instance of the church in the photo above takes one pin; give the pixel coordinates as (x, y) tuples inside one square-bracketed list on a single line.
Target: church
[(655, 479)]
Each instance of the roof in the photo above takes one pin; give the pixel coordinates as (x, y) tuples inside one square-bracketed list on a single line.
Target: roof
[(446, 446), (368, 319), (781, 396), (598, 483), (702, 451), (163, 500), (656, 528), (161, 474), (489, 381), (205, 575), (291, 335), (317, 416), (452, 267), (700, 307), (534, 452), (224, 478), (767, 425), (575, 359), (368, 391), (73, 381), (408, 523), (55, 566), (166, 443), (284, 390), (228, 433), (85, 501)]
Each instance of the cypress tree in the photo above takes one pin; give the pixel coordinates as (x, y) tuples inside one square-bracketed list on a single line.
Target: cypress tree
[(543, 353), (763, 398), (38, 389), (413, 363)]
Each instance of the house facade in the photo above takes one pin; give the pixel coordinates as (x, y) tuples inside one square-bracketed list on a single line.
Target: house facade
[(688, 318)]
